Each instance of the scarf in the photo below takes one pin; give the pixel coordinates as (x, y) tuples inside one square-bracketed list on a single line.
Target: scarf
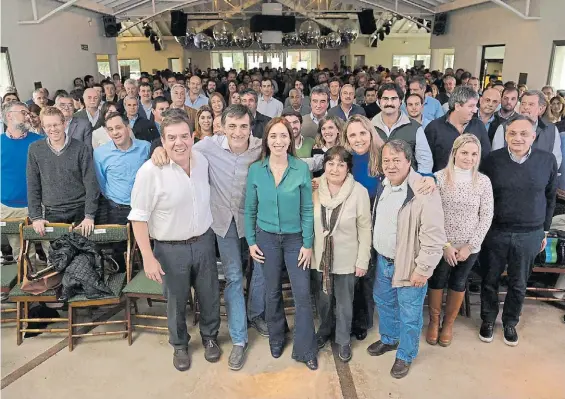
[(327, 202)]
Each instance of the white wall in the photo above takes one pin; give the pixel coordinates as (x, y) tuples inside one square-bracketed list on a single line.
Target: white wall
[(50, 52), (528, 43)]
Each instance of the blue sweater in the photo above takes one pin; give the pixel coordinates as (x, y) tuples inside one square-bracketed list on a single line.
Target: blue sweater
[(14, 159), (360, 173)]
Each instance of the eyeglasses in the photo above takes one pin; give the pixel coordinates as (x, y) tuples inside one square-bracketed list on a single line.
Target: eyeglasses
[(387, 99), (23, 112), (53, 126), (65, 106)]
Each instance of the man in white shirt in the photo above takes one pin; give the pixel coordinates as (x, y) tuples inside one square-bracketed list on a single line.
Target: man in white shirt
[(172, 205), (268, 105)]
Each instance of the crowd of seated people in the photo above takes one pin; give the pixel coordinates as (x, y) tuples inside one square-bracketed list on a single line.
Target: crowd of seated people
[(370, 188)]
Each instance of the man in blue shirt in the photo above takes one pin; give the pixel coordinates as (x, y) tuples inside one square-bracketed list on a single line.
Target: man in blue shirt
[(14, 145), (116, 164), (432, 107), (195, 99)]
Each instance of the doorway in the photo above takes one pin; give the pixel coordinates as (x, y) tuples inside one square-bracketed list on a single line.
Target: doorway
[(556, 77), (492, 63)]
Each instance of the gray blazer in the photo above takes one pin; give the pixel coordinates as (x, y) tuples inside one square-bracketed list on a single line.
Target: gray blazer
[(82, 115), (80, 129), (309, 128)]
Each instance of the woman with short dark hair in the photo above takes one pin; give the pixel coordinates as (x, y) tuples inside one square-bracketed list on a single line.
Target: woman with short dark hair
[(279, 230), (342, 246)]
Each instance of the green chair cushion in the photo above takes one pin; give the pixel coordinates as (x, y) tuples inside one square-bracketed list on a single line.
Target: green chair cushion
[(10, 227), (17, 291), (109, 234), (140, 284), (115, 282), (9, 275), (51, 233)]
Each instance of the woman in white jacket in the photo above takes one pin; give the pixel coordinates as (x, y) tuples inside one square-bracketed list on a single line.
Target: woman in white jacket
[(342, 246)]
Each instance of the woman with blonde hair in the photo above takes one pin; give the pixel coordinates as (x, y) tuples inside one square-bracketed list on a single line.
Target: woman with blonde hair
[(468, 206), (203, 123), (328, 136), (217, 103)]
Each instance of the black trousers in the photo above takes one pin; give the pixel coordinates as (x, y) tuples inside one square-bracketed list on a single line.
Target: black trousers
[(454, 278), (518, 251), (185, 265), (57, 215), (363, 302)]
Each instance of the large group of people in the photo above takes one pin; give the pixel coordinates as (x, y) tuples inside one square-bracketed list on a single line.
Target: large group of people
[(369, 189)]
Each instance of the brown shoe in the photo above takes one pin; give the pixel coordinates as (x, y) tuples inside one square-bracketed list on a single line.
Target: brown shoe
[(181, 359), (380, 348), (452, 306), (435, 299), (399, 369)]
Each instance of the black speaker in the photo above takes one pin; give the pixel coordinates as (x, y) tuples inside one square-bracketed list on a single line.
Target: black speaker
[(440, 24), (178, 23), (285, 24), (324, 31), (111, 27), (367, 23)]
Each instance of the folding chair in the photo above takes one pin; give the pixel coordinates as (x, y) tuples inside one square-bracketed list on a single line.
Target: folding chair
[(103, 234), (24, 299), (9, 271)]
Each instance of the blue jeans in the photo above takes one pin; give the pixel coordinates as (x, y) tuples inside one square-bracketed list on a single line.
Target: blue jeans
[(400, 312), (281, 251), (230, 254), (256, 295)]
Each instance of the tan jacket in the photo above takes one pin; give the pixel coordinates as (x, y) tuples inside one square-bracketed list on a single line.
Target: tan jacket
[(352, 234), (420, 233)]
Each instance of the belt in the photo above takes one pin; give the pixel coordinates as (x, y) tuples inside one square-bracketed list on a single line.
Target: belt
[(389, 260), (180, 242), (116, 205)]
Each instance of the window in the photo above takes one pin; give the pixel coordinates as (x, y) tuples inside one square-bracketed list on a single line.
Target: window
[(426, 58), (174, 65), (307, 59), (241, 60), (130, 68), (104, 68), (557, 66), (448, 61), (403, 61), (6, 76)]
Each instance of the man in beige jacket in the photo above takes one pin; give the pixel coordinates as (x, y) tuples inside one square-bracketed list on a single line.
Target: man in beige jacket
[(408, 236)]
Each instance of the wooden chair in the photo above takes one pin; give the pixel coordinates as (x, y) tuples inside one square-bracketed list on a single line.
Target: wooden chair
[(103, 234), (140, 287), (9, 271), (24, 299)]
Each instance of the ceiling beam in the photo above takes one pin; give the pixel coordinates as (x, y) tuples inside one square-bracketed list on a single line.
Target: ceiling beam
[(307, 13), (413, 4), (373, 3), (458, 4), (186, 3), (228, 14), (525, 16)]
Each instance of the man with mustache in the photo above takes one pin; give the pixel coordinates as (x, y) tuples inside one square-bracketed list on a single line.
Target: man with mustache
[(442, 132), (392, 124)]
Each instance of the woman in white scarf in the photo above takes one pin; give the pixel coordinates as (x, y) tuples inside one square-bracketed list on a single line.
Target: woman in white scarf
[(342, 246)]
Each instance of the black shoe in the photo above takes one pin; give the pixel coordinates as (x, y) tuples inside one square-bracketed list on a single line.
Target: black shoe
[(212, 351), (312, 364), (260, 325), (360, 334), (181, 359), (276, 350), (380, 348), (486, 334), (345, 353), (510, 336), (237, 357), (399, 369), (321, 341)]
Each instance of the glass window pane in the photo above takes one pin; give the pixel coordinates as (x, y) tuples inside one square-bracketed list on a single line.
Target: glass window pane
[(403, 61), (426, 58), (238, 61), (254, 59), (448, 60), (130, 68), (216, 59), (227, 61), (558, 68), (104, 68)]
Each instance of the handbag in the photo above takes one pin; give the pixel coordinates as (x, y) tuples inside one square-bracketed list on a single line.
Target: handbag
[(39, 282)]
